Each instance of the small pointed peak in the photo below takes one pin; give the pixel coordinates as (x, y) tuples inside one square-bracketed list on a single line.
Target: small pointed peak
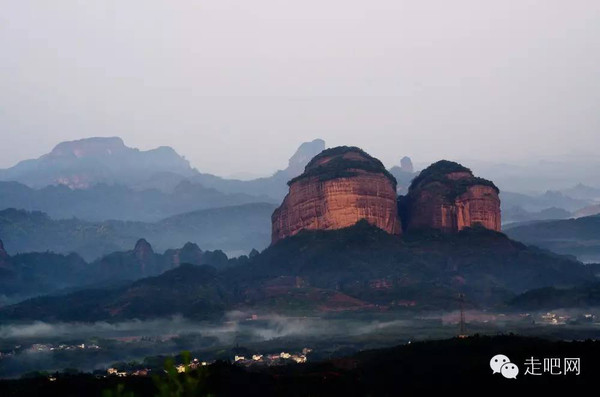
[(189, 246), (143, 246), (303, 154), (253, 253), (406, 164)]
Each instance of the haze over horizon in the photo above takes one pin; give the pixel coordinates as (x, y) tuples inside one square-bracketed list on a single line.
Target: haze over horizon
[(237, 87)]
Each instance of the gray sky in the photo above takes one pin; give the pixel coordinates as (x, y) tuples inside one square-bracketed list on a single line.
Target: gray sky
[(237, 85)]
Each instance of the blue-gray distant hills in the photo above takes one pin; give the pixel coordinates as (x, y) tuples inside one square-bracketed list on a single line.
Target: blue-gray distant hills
[(36, 273), (578, 237), (234, 229), (101, 202), (96, 179), (83, 163), (101, 178)]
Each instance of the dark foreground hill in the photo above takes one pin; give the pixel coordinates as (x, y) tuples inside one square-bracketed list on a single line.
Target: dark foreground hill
[(423, 269), (360, 267), (194, 291), (235, 229), (430, 366), (579, 237)]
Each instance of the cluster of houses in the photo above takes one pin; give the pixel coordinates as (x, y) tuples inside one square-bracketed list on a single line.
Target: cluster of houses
[(39, 347), (556, 319), (123, 374), (273, 359), (256, 359)]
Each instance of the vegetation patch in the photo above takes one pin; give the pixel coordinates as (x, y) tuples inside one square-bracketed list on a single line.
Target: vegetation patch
[(340, 167)]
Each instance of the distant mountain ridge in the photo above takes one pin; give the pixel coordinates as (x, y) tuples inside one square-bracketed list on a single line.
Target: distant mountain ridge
[(234, 229), (104, 202), (579, 237), (97, 179), (83, 163), (86, 162)]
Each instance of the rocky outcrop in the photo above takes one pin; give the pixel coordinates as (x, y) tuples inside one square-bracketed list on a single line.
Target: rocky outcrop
[(339, 187), (143, 251), (89, 148), (303, 155), (447, 196), (406, 165), (404, 174)]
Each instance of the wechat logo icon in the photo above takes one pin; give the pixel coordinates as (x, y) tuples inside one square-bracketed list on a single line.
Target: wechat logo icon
[(500, 364)]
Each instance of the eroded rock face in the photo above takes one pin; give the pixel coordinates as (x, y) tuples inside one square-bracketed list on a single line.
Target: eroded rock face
[(447, 196), (339, 187)]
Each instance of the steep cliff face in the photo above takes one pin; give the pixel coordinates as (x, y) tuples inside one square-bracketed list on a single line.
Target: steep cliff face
[(339, 187), (447, 196)]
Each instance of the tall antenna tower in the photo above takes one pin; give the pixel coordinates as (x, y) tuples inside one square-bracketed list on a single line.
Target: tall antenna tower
[(462, 332)]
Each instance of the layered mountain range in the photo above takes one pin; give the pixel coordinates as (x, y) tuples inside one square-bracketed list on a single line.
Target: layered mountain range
[(83, 163), (356, 268), (35, 273), (342, 239), (102, 178), (578, 237), (233, 229)]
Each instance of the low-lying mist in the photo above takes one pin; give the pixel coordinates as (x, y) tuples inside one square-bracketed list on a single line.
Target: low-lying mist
[(36, 346)]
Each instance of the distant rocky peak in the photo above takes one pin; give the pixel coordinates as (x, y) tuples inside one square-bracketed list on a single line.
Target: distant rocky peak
[(89, 147), (303, 155), (83, 163), (143, 250), (191, 247), (406, 164)]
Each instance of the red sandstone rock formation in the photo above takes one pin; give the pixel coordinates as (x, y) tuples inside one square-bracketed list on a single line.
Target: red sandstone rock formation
[(447, 196), (339, 187)]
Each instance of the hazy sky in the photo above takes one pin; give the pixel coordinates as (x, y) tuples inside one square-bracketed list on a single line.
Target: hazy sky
[(237, 85)]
